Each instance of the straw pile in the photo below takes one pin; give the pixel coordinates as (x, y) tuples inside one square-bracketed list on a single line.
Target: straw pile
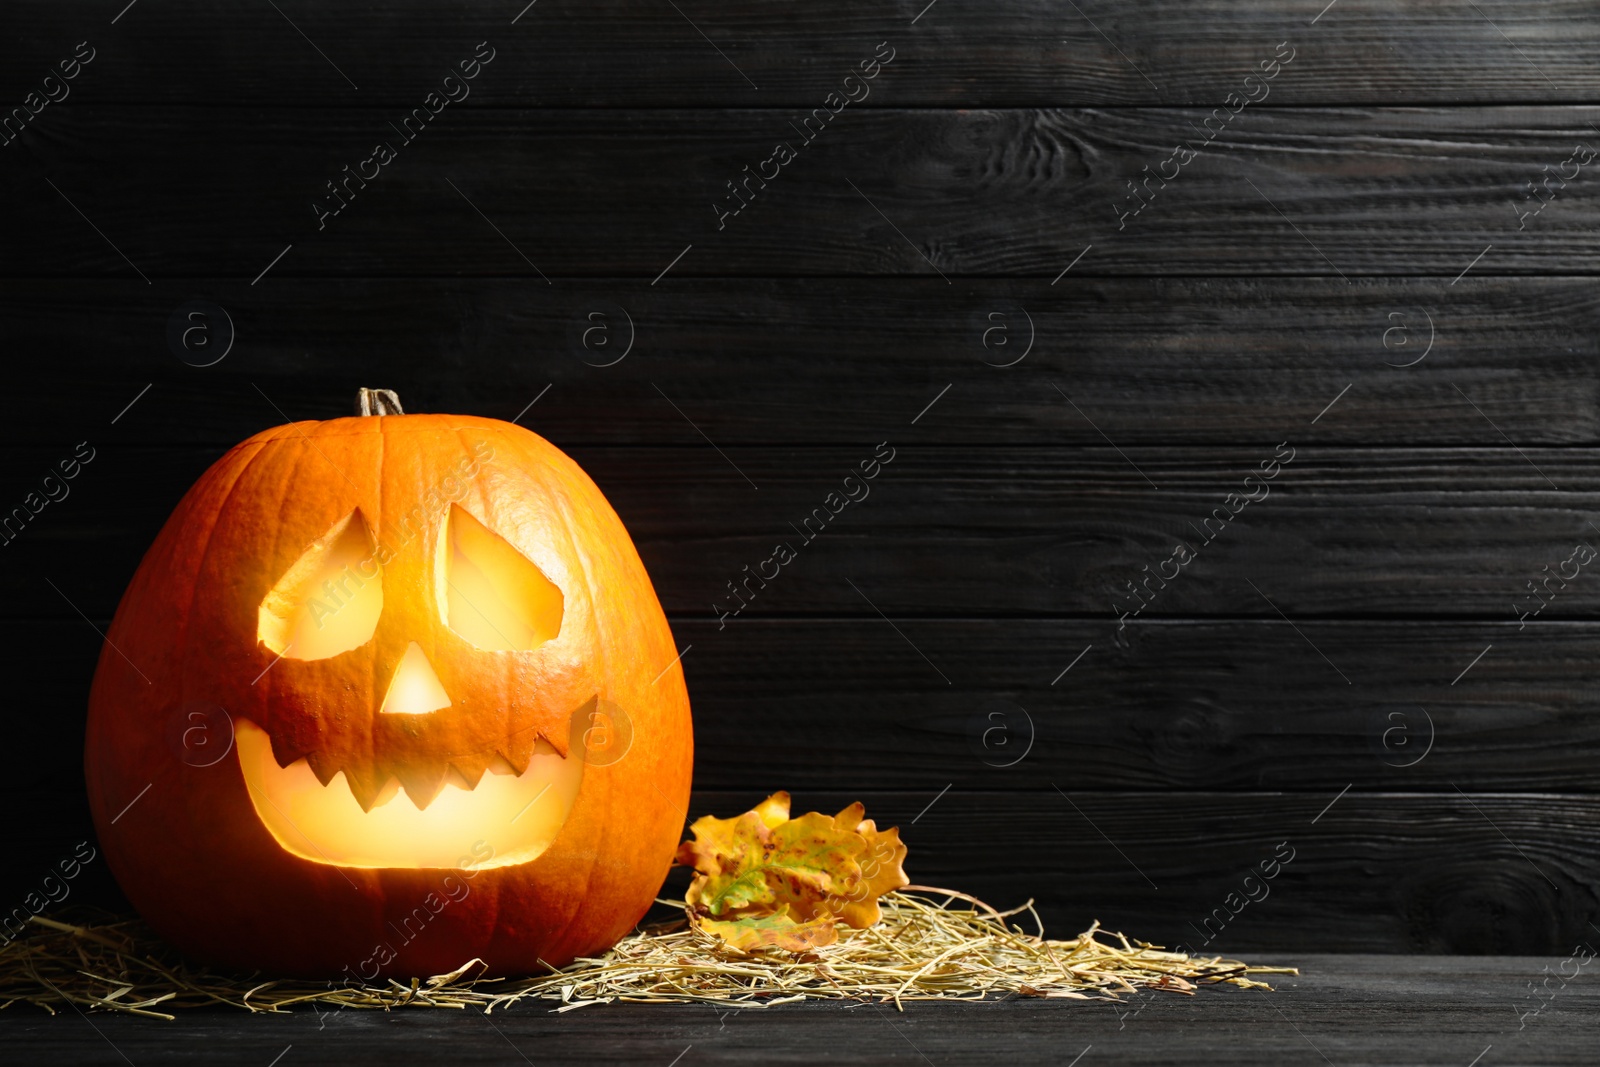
[(932, 944)]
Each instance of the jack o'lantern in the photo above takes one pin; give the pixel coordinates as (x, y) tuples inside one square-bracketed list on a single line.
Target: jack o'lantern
[(386, 694)]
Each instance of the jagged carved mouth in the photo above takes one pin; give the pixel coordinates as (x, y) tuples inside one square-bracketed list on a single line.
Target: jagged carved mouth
[(516, 816)]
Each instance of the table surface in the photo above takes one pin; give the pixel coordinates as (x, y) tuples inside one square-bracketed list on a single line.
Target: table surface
[(1344, 1010)]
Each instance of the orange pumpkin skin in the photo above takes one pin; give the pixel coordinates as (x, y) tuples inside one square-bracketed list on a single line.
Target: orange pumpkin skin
[(181, 833)]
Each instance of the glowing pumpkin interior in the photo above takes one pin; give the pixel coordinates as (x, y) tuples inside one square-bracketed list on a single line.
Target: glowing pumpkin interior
[(328, 603)]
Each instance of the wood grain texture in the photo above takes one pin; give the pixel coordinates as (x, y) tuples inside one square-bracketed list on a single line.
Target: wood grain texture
[(1236, 705), (1391, 872), (1375, 872), (622, 53), (950, 531), (1147, 361), (1359, 1010), (1332, 192), (1372, 207)]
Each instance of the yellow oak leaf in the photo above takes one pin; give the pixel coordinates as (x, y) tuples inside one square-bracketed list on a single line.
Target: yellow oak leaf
[(882, 868), (774, 811), (762, 860), (764, 880), (779, 930)]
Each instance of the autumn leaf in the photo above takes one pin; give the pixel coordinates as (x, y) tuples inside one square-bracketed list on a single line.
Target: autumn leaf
[(763, 860), (882, 867), (780, 930), (764, 880)]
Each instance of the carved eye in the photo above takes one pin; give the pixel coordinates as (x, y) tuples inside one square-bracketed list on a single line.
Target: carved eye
[(329, 601), (495, 597)]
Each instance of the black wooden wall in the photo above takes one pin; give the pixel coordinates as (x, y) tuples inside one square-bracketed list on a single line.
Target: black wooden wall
[(1374, 263)]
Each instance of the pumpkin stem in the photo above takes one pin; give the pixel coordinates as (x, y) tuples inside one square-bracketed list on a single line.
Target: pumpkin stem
[(378, 402)]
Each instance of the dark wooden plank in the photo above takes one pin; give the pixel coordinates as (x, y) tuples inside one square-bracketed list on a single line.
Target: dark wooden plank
[(615, 52), (1378, 872), (1229, 705), (1366, 872), (983, 191), (1361, 872), (1234, 705), (1357, 1010), (816, 361), (1360, 1010), (989, 531)]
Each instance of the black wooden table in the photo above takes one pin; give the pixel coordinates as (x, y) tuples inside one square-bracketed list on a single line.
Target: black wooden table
[(1344, 1010)]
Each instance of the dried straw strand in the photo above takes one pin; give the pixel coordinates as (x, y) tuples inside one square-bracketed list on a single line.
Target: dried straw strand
[(932, 944)]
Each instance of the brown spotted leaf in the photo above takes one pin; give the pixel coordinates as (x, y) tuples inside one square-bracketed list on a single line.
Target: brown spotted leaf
[(762, 860), (780, 930), (882, 868), (765, 880)]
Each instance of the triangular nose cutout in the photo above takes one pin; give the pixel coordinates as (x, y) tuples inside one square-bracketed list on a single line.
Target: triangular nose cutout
[(414, 689)]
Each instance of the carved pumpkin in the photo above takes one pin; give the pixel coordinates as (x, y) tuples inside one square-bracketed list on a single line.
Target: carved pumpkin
[(389, 693)]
